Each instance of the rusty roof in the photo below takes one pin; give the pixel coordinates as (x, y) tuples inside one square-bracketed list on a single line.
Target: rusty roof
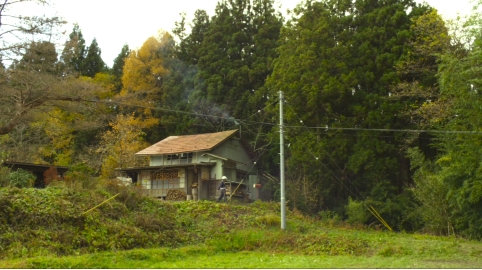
[(188, 143)]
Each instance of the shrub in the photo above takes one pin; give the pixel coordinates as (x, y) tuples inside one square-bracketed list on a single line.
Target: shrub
[(21, 179), (51, 175), (4, 173), (269, 220), (81, 177), (356, 212)]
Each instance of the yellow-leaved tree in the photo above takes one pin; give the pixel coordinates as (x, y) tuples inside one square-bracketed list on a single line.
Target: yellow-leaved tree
[(57, 125), (144, 68), (122, 141)]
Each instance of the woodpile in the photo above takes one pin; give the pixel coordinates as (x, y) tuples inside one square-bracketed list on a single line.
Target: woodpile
[(241, 191), (176, 195)]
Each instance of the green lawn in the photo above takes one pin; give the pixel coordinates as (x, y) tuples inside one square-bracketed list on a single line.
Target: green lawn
[(387, 250)]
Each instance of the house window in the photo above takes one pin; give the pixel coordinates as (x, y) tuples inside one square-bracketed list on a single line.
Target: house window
[(182, 158), (173, 156), (186, 158), (167, 180)]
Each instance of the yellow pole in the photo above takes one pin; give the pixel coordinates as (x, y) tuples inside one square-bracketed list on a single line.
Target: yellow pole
[(100, 204), (235, 190), (379, 218)]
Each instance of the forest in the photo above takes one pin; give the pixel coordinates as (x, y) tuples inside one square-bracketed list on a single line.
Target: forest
[(382, 106)]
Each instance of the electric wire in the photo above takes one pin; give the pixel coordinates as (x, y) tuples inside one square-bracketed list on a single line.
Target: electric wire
[(377, 216), (326, 152), (260, 110), (394, 130), (304, 126)]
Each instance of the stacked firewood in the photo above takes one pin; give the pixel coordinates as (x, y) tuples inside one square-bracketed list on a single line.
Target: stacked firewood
[(176, 195)]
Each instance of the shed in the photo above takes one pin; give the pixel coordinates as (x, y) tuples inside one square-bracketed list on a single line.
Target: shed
[(36, 169), (196, 162)]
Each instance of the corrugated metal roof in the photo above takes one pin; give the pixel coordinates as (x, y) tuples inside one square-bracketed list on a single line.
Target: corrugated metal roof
[(189, 143)]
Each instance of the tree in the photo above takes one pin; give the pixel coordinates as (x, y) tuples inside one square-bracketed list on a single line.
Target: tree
[(189, 45), (74, 52), (144, 68), (14, 29), (118, 67), (40, 56), (336, 65), (27, 93), (93, 62), (122, 141), (455, 170)]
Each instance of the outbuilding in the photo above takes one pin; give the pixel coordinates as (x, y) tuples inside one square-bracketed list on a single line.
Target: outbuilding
[(195, 164), (38, 170)]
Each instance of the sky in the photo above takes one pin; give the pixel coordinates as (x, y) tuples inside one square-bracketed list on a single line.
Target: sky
[(115, 23)]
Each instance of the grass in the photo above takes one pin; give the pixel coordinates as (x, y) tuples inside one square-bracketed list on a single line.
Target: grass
[(205, 256), (264, 248), (137, 232)]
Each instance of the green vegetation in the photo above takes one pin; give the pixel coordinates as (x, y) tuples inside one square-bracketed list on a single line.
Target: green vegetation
[(342, 65), (45, 228)]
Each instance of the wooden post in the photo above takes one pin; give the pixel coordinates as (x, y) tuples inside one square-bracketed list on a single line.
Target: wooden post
[(199, 186)]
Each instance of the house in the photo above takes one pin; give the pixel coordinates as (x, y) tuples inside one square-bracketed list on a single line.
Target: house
[(195, 164), (36, 169)]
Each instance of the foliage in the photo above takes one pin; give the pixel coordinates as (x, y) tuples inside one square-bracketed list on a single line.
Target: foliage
[(51, 175), (448, 184), (14, 29), (21, 179), (118, 67), (74, 51), (121, 143), (144, 70), (356, 212), (93, 62), (4, 173)]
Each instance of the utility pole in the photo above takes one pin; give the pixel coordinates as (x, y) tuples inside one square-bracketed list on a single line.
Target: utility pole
[(282, 162)]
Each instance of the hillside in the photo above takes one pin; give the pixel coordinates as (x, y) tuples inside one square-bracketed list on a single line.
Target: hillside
[(45, 228)]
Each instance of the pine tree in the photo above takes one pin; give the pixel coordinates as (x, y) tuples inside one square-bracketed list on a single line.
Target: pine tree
[(227, 67), (93, 62), (74, 52), (337, 63), (118, 67)]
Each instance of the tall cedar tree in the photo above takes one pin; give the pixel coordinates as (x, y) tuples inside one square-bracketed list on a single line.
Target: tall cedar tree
[(118, 66), (75, 51), (93, 62), (237, 33), (336, 65)]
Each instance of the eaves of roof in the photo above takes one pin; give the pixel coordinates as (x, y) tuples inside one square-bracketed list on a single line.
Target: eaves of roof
[(188, 143), (166, 166)]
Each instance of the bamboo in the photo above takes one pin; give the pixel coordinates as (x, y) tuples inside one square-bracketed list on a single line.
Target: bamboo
[(235, 190), (379, 218), (100, 204)]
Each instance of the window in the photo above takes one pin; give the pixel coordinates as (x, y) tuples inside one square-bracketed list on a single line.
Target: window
[(173, 156), (186, 158), (182, 158), (167, 180)]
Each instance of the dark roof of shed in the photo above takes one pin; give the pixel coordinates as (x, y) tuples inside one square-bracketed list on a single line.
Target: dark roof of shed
[(188, 143), (33, 166)]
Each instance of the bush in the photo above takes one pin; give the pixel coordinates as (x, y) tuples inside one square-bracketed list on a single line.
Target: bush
[(269, 220), (81, 177), (356, 212), (21, 179), (4, 173)]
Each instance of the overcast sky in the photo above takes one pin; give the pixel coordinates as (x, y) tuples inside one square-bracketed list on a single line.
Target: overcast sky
[(114, 23)]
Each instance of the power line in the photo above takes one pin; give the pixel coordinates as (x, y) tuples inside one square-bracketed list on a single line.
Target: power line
[(393, 130), (326, 128), (332, 160), (260, 110)]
